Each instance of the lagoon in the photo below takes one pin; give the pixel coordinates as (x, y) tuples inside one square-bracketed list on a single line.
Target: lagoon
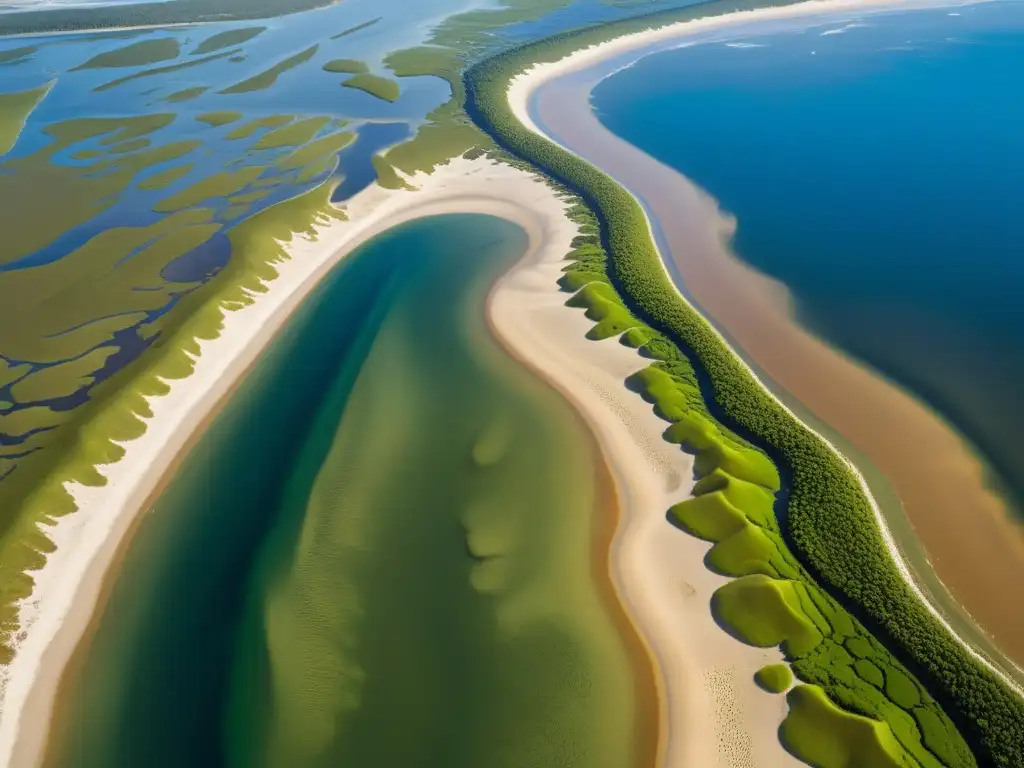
[(382, 552)]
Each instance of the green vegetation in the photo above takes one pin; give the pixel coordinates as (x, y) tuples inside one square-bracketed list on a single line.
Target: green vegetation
[(268, 77), (291, 135), (165, 178), (245, 130), (151, 14), (773, 601), (17, 55), (187, 94), (218, 118), (356, 28), (447, 131), (227, 39), (91, 434), (134, 54), (217, 185), (767, 612), (316, 150), (72, 194), (61, 379), (382, 87), (821, 734), (829, 526), (775, 678), (346, 66), (15, 109), (154, 71)]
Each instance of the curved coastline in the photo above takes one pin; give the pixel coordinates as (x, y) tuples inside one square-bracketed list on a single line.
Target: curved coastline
[(755, 312), (589, 374), (712, 713), (499, 91), (87, 543), (753, 309)]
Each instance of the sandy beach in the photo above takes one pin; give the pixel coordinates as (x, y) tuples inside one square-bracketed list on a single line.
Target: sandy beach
[(704, 677), (712, 713), (64, 599), (756, 314)]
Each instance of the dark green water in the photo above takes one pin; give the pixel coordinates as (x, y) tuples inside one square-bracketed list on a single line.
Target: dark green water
[(379, 555)]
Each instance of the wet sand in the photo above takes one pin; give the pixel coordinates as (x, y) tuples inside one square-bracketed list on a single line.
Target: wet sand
[(712, 714), (974, 547)]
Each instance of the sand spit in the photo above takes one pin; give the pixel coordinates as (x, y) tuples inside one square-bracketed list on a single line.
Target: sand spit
[(979, 556), (712, 712), (54, 618)]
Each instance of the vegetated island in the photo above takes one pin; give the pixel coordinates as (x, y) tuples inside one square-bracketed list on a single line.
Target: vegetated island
[(829, 524), (383, 88)]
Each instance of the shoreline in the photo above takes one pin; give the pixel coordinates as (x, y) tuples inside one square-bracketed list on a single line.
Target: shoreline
[(702, 677), (712, 713), (562, 87), (609, 519), (67, 588)]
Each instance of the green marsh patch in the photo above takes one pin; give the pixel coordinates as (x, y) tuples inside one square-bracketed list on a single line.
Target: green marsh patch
[(215, 186), (291, 135), (268, 77), (157, 71), (227, 39), (346, 66), (217, 119), (821, 734), (15, 109), (774, 678), (315, 150), (134, 54), (187, 94), (356, 28), (383, 88)]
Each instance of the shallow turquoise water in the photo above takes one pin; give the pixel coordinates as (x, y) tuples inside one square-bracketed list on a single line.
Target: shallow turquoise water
[(874, 166), (380, 554)]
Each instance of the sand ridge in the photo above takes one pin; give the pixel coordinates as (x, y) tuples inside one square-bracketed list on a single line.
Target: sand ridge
[(66, 589), (697, 235), (712, 712)]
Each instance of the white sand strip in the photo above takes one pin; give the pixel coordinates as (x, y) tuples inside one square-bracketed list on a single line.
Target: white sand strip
[(629, 48), (713, 715), (67, 587)]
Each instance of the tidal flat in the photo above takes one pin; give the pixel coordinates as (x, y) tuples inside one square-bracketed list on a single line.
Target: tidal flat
[(390, 526)]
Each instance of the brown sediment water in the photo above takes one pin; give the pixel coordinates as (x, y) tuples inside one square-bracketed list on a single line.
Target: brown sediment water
[(971, 543)]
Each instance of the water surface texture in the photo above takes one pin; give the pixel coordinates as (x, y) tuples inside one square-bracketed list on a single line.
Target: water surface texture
[(873, 166), (382, 552)]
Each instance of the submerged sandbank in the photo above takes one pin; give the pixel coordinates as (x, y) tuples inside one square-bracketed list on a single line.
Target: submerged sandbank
[(979, 556), (451, 591), (86, 542)]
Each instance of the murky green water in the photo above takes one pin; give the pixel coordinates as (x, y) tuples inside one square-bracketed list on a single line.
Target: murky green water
[(381, 554)]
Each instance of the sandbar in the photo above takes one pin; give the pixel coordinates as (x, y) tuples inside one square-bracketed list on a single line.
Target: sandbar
[(972, 544)]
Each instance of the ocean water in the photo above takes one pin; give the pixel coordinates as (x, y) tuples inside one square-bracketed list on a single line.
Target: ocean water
[(874, 165), (381, 553)]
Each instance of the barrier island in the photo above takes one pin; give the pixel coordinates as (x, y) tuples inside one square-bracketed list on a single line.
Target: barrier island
[(813, 570)]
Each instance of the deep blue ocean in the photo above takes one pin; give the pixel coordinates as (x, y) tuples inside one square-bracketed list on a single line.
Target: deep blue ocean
[(875, 167)]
